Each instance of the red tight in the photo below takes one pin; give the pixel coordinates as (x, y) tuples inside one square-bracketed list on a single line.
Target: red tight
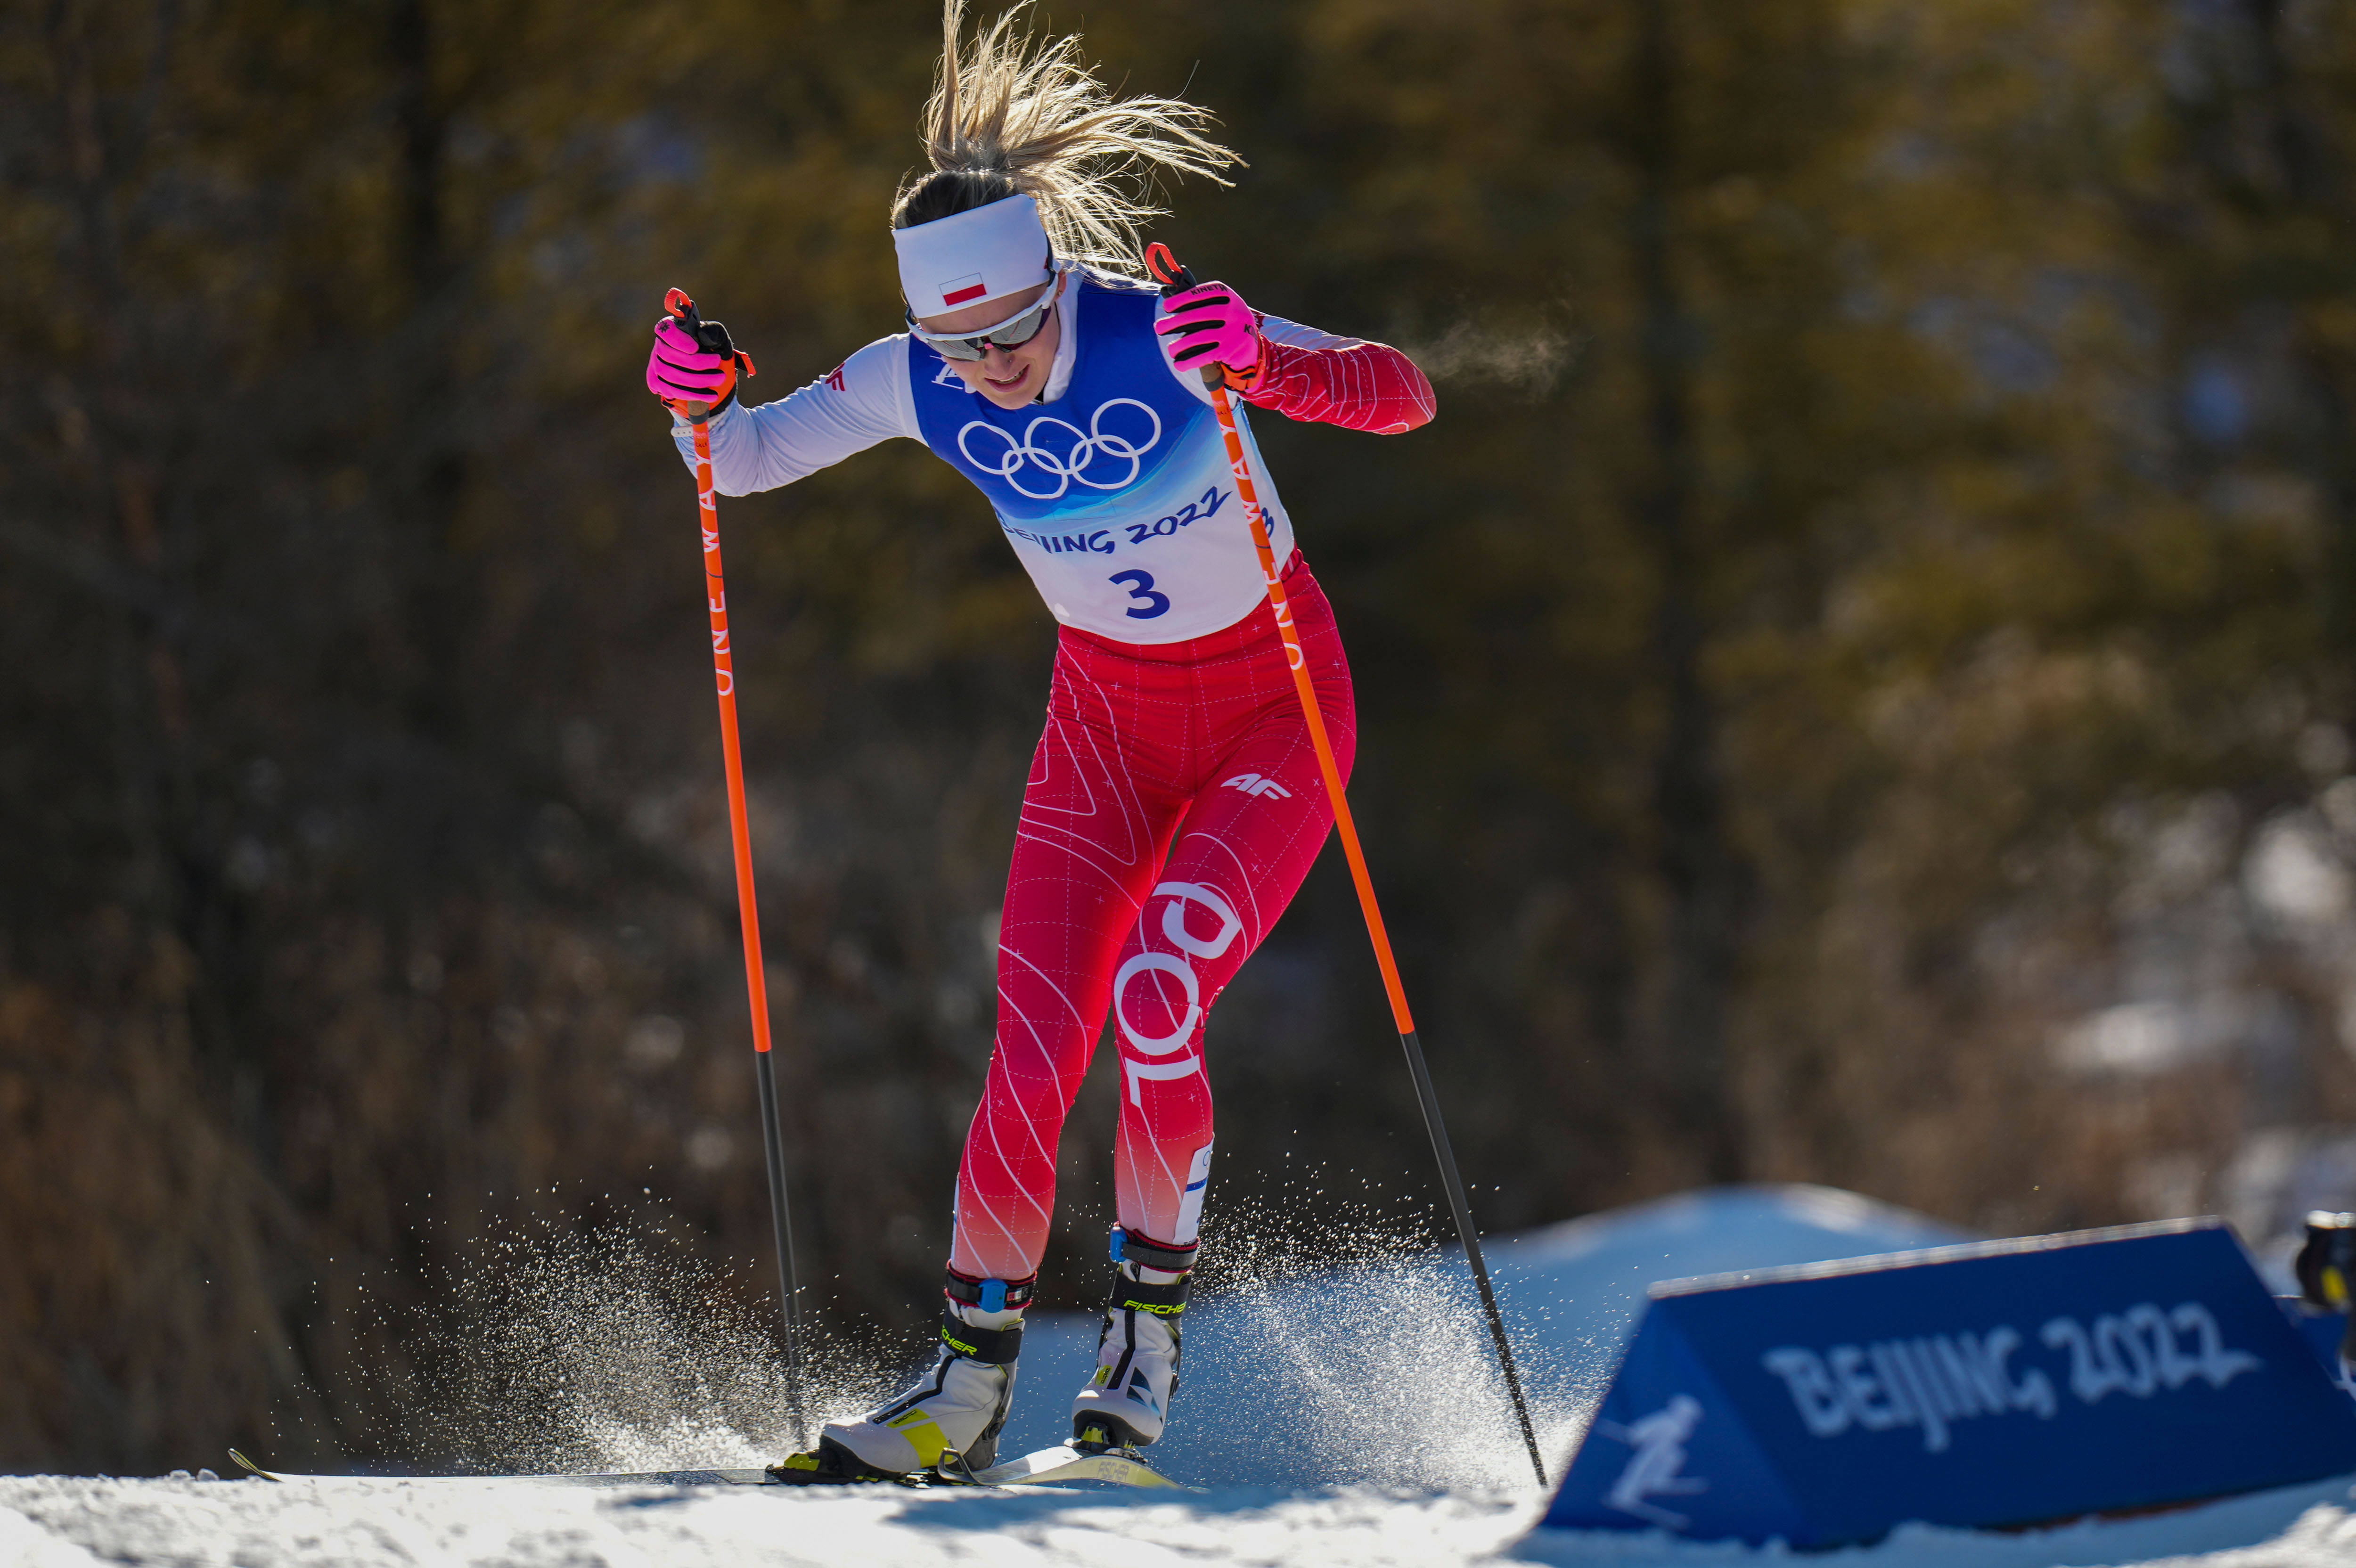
[(1174, 807)]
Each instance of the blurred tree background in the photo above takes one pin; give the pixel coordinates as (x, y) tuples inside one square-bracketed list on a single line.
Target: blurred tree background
[(1856, 681)]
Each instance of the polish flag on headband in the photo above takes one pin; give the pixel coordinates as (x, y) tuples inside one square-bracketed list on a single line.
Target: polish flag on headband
[(973, 257)]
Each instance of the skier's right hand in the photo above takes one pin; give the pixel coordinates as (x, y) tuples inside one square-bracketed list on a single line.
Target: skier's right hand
[(1209, 328), (682, 372)]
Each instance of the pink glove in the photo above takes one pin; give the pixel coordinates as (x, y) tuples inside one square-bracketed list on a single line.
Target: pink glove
[(681, 371), (1207, 326)]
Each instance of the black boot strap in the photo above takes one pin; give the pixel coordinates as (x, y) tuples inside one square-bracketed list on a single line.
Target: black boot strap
[(991, 1294), (1164, 1301), (996, 1347), (1128, 1246)]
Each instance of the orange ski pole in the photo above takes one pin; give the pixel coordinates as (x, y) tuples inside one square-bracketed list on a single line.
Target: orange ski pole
[(714, 338), (1174, 277)]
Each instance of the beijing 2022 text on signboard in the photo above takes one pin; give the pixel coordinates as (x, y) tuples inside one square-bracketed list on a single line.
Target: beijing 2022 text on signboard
[(2000, 1383)]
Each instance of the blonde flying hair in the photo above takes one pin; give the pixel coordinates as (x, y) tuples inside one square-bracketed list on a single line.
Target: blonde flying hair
[(1015, 113)]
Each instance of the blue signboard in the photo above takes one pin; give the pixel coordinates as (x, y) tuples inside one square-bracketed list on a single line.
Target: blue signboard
[(1999, 1383)]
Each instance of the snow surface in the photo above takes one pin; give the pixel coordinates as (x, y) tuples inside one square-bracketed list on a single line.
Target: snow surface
[(62, 1522), (1299, 1386)]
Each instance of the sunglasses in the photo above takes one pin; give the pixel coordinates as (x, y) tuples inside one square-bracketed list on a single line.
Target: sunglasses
[(1013, 332)]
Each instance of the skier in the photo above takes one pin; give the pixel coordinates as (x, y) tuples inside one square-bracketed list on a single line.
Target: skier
[(1175, 803)]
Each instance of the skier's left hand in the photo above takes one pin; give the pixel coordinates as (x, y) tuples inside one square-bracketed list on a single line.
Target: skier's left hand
[(686, 375), (1209, 326)]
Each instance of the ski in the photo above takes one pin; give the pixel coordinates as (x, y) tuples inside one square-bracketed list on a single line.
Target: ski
[(1061, 1463), (1066, 1462), (640, 1478)]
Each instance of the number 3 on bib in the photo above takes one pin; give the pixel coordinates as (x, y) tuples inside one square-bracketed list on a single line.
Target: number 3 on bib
[(1140, 588)]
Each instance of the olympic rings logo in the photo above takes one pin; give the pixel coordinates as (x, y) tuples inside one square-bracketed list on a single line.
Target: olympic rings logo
[(1072, 464)]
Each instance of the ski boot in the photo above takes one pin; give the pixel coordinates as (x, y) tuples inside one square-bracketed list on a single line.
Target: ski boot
[(1127, 1400), (2326, 1268), (955, 1409)]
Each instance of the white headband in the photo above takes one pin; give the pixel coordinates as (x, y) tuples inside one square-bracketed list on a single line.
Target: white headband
[(972, 257)]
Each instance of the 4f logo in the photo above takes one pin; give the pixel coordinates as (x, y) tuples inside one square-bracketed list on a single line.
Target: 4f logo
[(1253, 784)]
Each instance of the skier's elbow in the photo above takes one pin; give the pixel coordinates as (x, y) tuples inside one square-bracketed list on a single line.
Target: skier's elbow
[(1421, 404), (1403, 400)]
